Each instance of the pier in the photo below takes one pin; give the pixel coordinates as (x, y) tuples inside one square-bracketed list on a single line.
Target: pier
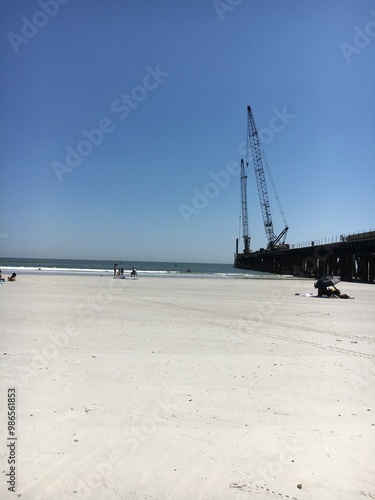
[(351, 258)]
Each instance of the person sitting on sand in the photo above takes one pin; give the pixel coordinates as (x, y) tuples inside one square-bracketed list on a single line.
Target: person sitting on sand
[(328, 292), (13, 277), (133, 273), (1, 278)]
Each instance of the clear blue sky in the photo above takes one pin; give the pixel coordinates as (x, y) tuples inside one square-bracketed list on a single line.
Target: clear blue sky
[(168, 82)]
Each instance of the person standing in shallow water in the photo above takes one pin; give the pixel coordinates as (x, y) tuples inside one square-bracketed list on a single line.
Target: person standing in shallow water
[(114, 270)]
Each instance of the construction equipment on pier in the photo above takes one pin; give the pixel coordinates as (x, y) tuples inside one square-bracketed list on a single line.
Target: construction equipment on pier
[(351, 257), (259, 160), (245, 224)]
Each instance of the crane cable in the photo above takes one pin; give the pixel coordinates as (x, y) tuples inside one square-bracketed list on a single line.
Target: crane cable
[(273, 185)]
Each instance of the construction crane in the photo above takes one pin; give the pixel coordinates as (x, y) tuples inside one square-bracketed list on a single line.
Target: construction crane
[(245, 224), (258, 161)]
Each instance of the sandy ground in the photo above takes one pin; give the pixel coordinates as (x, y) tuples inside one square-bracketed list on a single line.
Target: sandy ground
[(170, 388)]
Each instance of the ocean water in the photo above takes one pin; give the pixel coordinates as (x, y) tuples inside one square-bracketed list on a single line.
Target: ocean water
[(105, 267)]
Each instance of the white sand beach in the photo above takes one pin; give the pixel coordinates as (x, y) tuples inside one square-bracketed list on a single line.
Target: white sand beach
[(179, 388)]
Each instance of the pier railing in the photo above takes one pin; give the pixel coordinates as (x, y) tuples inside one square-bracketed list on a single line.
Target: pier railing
[(360, 235)]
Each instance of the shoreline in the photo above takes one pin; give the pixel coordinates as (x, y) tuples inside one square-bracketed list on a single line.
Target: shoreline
[(146, 274)]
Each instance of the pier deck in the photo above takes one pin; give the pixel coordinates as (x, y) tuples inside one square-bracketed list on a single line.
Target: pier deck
[(351, 259)]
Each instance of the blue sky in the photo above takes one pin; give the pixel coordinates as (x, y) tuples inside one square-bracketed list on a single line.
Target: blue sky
[(121, 122)]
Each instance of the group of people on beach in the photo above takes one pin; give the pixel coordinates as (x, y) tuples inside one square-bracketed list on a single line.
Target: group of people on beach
[(119, 272), (10, 278)]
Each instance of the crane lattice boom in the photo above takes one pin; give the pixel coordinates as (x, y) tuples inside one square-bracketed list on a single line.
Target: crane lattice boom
[(256, 151), (245, 224)]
